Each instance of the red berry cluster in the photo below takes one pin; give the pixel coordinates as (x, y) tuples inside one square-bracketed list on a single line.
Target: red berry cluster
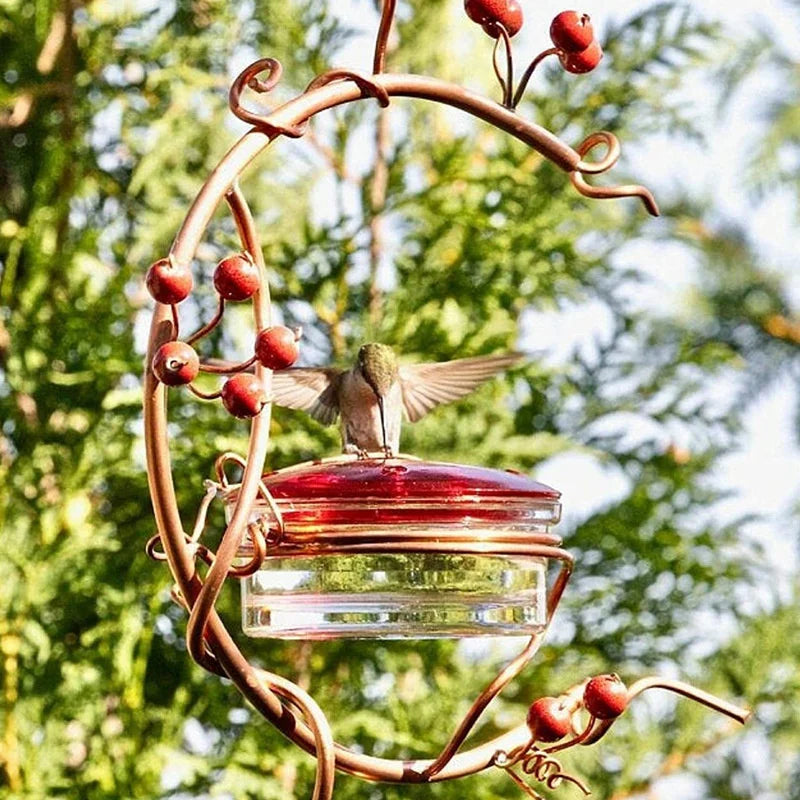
[(175, 363), (276, 348), (550, 718), (235, 278), (491, 14), (571, 32), (573, 36)]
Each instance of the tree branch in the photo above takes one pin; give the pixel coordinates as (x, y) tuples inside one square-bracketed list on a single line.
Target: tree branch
[(53, 43), (334, 161)]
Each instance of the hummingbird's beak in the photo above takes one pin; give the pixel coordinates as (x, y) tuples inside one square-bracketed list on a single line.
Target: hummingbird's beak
[(383, 420)]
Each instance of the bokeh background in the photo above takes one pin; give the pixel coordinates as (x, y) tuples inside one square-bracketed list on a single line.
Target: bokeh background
[(661, 394)]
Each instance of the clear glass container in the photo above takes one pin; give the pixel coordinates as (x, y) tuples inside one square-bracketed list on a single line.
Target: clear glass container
[(400, 548)]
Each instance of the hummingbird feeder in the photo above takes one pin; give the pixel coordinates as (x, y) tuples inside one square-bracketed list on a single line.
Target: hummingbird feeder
[(371, 545), (399, 548)]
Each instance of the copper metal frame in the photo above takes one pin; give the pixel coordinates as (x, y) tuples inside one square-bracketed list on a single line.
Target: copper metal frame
[(282, 702)]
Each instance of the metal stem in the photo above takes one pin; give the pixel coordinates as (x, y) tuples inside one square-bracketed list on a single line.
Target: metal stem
[(227, 367), (526, 76), (741, 715), (381, 43), (498, 72), (509, 66), (478, 707), (203, 395), (210, 325)]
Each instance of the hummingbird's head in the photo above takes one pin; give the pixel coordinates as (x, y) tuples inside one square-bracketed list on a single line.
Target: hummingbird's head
[(378, 366)]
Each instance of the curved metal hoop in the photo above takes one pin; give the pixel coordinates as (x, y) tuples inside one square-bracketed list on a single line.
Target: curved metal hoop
[(340, 86), (208, 640)]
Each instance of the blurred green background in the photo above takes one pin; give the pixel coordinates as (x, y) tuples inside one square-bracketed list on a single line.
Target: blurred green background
[(651, 342)]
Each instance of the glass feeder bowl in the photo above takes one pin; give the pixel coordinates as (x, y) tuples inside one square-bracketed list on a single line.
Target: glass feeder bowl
[(399, 548)]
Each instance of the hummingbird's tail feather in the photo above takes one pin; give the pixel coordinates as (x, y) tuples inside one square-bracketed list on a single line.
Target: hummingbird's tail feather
[(426, 386)]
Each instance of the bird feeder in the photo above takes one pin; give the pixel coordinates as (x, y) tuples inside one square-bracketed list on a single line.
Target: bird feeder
[(398, 548), (370, 547)]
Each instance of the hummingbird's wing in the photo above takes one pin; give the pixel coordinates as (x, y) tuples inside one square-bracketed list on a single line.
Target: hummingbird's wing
[(311, 389), (426, 386)]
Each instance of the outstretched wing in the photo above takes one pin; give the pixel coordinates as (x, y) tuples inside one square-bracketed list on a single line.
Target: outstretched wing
[(426, 386), (311, 389)]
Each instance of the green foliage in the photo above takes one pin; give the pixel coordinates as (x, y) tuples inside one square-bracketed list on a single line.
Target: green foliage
[(112, 115)]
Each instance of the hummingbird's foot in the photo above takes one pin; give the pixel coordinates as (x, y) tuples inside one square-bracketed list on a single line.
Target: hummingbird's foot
[(388, 452), (354, 450)]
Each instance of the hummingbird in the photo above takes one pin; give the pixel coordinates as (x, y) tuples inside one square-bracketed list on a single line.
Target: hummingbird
[(372, 396)]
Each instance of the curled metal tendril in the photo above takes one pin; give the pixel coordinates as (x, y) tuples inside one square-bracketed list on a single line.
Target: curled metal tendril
[(547, 770), (610, 158), (538, 765), (155, 551), (219, 466), (248, 77), (258, 533), (369, 87), (607, 161)]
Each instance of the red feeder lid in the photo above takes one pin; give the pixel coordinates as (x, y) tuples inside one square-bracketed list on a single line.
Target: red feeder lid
[(405, 490)]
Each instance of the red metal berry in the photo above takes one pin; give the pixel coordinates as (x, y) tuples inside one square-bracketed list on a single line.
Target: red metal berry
[(243, 395), (490, 13), (548, 720), (582, 62), (176, 364), (237, 277), (167, 282), (481, 11), (276, 347), (605, 696), (571, 32)]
